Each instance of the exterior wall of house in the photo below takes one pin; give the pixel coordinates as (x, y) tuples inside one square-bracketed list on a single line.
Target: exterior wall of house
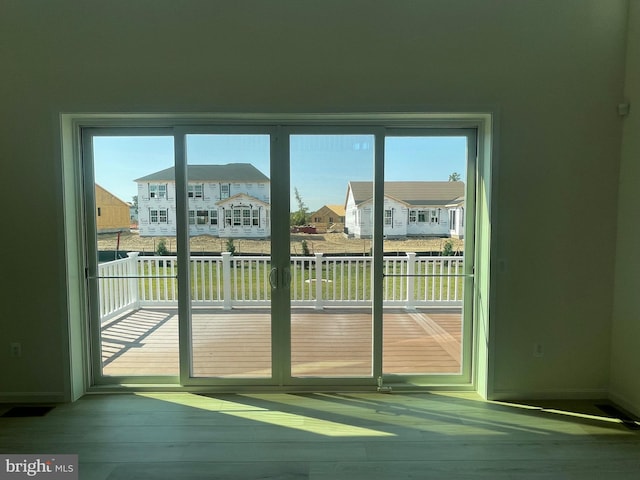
[(433, 221), (112, 214), (402, 220), (456, 222), (208, 204), (395, 219), (240, 217), (325, 218), (357, 220)]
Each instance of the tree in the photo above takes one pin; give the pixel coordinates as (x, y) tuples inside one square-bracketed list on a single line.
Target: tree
[(299, 217), (454, 177), (135, 203)]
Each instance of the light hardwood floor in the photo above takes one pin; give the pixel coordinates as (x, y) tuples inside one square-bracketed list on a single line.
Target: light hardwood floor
[(346, 436)]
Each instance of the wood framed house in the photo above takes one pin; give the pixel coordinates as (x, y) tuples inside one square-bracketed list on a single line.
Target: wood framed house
[(410, 209), (112, 213), (231, 201), (329, 218)]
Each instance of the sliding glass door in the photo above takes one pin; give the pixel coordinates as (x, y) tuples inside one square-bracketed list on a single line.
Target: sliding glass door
[(280, 255), (229, 229), (131, 263), (330, 289), (428, 254)]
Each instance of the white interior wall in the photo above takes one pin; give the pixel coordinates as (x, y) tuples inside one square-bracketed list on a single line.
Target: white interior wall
[(553, 69), (625, 381)]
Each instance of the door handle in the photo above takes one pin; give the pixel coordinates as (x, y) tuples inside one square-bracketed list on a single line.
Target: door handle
[(273, 278)]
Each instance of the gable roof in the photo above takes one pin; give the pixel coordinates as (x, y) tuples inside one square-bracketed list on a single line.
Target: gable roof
[(411, 193), (231, 172), (242, 197), (338, 210)]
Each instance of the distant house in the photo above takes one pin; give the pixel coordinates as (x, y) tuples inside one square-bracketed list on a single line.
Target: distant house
[(329, 217), (231, 201), (410, 209), (112, 214)]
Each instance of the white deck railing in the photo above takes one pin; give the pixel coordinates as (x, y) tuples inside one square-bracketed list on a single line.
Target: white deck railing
[(227, 281)]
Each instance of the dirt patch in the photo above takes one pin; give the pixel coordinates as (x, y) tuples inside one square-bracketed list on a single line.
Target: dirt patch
[(334, 243)]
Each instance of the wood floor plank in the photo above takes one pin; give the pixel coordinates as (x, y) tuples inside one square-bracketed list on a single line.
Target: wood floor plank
[(328, 436), (237, 343)]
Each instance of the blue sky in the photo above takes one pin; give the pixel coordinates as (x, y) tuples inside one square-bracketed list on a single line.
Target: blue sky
[(321, 165)]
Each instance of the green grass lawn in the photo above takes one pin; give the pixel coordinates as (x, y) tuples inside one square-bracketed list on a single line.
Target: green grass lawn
[(342, 280)]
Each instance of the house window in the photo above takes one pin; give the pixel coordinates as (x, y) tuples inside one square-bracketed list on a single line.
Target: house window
[(227, 218), (153, 216), (255, 217), (99, 213), (164, 217), (195, 191), (237, 219), (224, 190), (157, 190), (213, 217), (246, 217), (435, 217), (412, 216), (202, 217), (330, 219), (388, 217), (422, 215), (452, 219), (192, 217)]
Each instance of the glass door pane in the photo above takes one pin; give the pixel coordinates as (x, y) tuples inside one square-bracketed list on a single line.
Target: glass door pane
[(131, 221), (229, 222), (425, 278), (331, 227)]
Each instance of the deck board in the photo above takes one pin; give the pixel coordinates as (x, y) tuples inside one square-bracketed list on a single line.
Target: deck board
[(325, 343)]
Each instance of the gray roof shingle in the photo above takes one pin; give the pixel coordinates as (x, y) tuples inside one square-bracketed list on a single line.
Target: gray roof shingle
[(413, 193), (231, 172)]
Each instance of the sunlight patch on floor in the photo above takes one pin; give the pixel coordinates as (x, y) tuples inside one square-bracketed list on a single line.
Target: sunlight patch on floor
[(272, 417)]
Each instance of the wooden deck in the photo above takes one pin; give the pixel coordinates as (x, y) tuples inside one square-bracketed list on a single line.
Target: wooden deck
[(325, 343)]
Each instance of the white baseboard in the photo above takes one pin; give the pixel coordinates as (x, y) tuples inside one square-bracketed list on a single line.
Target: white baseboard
[(573, 394), (625, 403), (32, 397)]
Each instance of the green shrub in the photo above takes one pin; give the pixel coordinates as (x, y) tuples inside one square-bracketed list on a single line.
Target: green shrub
[(231, 248), (305, 248), (161, 248), (447, 249)]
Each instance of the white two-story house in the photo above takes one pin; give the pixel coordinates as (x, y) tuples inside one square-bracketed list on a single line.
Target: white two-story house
[(231, 201), (410, 209)]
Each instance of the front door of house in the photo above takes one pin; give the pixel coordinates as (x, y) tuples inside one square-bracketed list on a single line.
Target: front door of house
[(284, 255)]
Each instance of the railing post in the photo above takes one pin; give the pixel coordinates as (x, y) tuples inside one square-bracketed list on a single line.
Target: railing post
[(132, 270), (226, 280), (318, 264), (411, 270)]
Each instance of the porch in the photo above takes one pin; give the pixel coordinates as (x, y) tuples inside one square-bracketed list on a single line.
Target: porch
[(331, 321), (324, 343)]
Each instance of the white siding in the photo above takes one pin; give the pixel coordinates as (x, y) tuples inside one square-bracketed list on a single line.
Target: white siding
[(395, 218), (203, 201), (428, 221)]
